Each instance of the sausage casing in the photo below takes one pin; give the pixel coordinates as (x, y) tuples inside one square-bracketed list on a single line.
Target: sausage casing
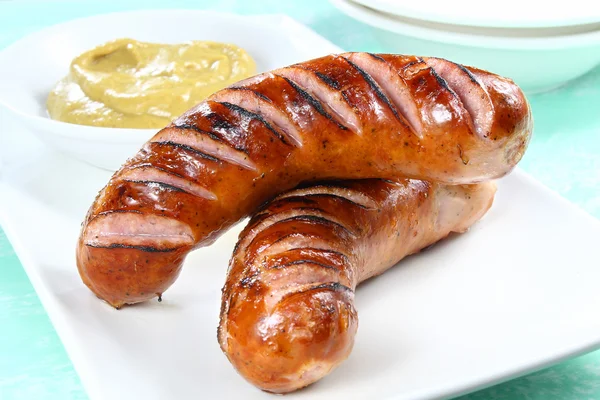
[(287, 315)]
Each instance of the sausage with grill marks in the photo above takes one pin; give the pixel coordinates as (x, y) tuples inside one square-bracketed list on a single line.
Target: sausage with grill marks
[(288, 316), (348, 116)]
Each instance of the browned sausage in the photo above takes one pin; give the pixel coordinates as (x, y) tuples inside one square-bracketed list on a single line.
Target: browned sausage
[(349, 116), (287, 316)]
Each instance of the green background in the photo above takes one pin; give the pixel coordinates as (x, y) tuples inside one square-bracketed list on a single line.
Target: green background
[(564, 155)]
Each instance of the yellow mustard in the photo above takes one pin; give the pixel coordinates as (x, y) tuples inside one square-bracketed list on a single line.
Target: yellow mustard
[(131, 84)]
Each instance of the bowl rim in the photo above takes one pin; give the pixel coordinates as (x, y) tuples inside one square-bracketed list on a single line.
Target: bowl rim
[(389, 23), (107, 134), (487, 20)]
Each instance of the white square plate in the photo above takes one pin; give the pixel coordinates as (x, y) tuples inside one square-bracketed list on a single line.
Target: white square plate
[(516, 293)]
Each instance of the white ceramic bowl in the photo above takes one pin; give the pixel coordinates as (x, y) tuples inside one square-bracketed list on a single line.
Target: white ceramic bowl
[(30, 67), (536, 59)]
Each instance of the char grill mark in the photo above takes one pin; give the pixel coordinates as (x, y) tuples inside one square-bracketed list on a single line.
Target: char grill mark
[(377, 57), (123, 228), (303, 261), (190, 149), (157, 184), (442, 82), (317, 105), (314, 219), (341, 255), (469, 74), (391, 88), (377, 89), (251, 115), (204, 144), (165, 180), (468, 90), (253, 101), (331, 188), (147, 249), (328, 80), (309, 198), (189, 127), (263, 222), (256, 92), (328, 286)]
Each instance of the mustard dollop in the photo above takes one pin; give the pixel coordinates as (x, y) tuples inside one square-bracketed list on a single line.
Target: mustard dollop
[(130, 84)]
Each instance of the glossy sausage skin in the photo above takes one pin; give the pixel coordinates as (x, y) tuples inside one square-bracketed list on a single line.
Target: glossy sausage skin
[(288, 316), (348, 116)]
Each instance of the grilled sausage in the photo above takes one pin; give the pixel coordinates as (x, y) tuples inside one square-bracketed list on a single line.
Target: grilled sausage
[(348, 116), (288, 316)]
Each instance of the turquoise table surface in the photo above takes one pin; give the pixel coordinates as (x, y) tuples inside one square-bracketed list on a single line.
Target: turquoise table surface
[(564, 155)]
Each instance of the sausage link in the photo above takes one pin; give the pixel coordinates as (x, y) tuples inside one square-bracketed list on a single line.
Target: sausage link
[(347, 116), (287, 315)]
